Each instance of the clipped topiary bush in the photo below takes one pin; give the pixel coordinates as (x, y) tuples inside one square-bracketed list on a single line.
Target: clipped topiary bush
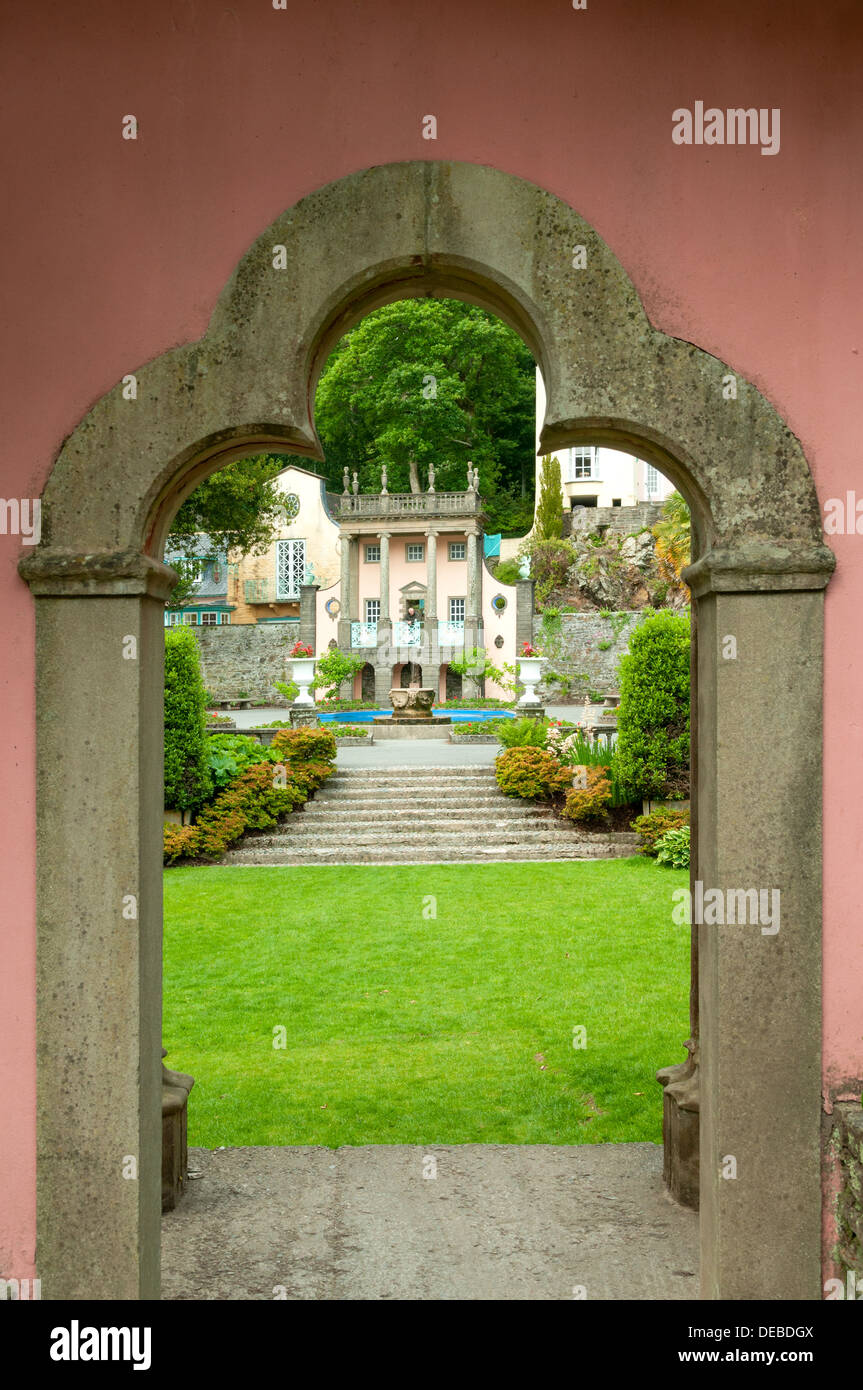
[(531, 773), (188, 783), (652, 751), (589, 803)]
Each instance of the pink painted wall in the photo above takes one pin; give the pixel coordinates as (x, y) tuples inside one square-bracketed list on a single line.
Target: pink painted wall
[(114, 251)]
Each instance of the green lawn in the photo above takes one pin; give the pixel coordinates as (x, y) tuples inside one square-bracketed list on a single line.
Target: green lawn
[(404, 1028)]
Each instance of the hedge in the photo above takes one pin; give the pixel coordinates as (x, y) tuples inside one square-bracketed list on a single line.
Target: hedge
[(188, 783), (651, 757)]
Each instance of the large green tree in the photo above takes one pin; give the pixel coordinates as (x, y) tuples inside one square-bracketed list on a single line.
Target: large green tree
[(432, 382)]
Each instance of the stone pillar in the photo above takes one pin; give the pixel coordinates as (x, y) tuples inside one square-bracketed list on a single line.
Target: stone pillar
[(760, 1016), (431, 575), (309, 614), (100, 1079), (524, 605), (384, 541), (471, 606), (347, 590)]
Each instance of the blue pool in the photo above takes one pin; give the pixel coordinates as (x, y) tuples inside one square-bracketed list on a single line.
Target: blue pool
[(458, 716)]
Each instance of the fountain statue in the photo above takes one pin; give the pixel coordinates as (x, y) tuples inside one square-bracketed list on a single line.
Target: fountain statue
[(412, 704)]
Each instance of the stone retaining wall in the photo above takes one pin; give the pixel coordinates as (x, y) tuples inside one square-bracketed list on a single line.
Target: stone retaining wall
[(250, 657), (621, 520), (579, 650)]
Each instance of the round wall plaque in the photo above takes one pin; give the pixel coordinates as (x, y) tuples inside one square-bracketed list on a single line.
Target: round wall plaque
[(291, 505), (333, 607), (498, 641), (498, 603)]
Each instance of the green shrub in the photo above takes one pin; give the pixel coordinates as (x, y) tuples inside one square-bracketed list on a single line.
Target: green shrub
[(332, 670), (673, 849), (507, 571), (179, 842), (550, 563), (589, 803), (523, 733), (304, 745), (652, 827), (531, 773), (188, 783), (254, 800), (480, 726), (652, 754), (229, 754)]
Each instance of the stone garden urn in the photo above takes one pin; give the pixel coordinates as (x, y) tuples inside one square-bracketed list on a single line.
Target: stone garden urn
[(530, 675), (303, 670)]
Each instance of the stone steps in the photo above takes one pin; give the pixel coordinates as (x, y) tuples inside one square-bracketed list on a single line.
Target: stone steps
[(490, 852), (442, 810), (421, 815)]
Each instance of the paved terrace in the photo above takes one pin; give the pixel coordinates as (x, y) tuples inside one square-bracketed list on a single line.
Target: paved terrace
[(498, 1222)]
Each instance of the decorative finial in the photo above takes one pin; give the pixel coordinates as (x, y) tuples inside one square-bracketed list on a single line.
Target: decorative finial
[(347, 478), (383, 480), (431, 477), (356, 484), (469, 476), (476, 480)]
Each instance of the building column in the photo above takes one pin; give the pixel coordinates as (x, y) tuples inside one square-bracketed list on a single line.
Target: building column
[(471, 606), (309, 614), (384, 541), (431, 574), (346, 595)]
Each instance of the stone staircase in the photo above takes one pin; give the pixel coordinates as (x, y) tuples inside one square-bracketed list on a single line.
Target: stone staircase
[(422, 815)]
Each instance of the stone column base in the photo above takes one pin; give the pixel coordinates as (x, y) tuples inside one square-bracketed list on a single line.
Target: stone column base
[(301, 715), (680, 1128), (530, 711), (176, 1086)]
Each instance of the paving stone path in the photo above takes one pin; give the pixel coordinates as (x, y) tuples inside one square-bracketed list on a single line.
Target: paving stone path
[(497, 1222)]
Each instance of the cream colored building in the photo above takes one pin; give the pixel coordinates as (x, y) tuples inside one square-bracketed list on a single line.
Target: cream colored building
[(266, 588)]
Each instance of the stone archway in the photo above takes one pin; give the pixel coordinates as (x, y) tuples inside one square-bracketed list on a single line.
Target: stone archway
[(99, 585)]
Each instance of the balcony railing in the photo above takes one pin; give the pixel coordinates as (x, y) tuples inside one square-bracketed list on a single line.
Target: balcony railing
[(364, 634), (380, 504), (451, 634), (407, 634), (265, 591)]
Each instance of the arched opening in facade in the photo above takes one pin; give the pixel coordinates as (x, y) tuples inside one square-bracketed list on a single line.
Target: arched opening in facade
[(758, 576)]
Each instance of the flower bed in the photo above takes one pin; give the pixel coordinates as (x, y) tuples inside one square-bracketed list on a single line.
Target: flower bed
[(272, 782)]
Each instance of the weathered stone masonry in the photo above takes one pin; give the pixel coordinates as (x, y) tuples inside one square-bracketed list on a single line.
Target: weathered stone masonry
[(249, 657), (579, 650)]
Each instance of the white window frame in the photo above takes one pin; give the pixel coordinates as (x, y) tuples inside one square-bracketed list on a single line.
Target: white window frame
[(373, 610), (190, 619), (415, 559), (651, 479), (581, 464), (458, 545), (373, 559), (457, 608), (209, 618), (224, 618), (290, 559)]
